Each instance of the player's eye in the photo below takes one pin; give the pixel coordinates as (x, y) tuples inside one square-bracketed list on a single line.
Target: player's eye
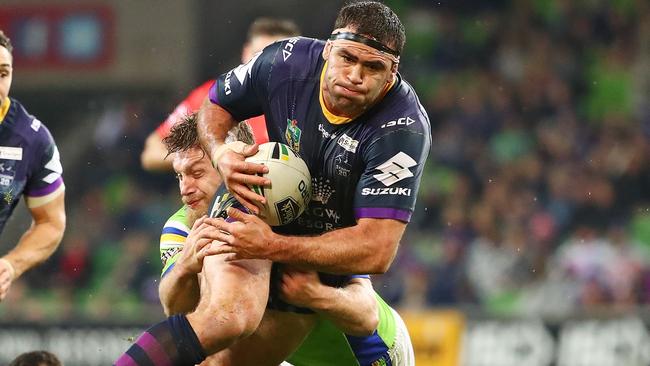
[(375, 67), (347, 59)]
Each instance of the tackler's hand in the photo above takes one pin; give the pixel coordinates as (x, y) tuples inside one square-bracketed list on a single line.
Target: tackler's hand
[(196, 244), (300, 288)]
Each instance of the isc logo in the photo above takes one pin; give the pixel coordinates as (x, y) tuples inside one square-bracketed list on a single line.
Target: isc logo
[(404, 121), (288, 48)]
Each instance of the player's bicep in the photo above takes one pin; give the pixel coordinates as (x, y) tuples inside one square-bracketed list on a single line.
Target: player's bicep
[(389, 185), (52, 212), (45, 182)]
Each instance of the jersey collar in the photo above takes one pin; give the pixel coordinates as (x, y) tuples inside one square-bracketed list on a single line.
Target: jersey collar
[(4, 108), (331, 117)]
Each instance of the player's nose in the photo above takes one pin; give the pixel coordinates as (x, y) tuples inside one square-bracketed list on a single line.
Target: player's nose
[(188, 186), (356, 74)]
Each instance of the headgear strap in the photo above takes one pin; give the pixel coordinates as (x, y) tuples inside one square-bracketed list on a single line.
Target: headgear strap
[(365, 40)]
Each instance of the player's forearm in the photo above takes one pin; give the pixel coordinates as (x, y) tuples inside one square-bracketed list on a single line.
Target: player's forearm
[(36, 245), (335, 252), (352, 309), (213, 124), (366, 248), (179, 291)]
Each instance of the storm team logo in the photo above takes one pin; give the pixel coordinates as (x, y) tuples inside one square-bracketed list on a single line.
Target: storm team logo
[(292, 135), (321, 190), (8, 197)]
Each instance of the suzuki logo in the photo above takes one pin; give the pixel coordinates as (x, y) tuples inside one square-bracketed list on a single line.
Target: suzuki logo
[(395, 169)]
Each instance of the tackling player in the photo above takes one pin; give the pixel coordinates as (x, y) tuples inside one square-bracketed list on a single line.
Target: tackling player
[(357, 325), (360, 128), (29, 166), (261, 33)]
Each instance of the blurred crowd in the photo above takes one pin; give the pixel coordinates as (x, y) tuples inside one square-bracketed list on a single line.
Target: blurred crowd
[(535, 199)]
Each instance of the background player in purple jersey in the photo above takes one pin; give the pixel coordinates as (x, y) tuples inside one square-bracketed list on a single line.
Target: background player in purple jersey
[(332, 102), (30, 166)]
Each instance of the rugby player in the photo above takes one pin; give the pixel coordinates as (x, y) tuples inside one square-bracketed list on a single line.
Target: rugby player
[(360, 128), (261, 33), (29, 166)]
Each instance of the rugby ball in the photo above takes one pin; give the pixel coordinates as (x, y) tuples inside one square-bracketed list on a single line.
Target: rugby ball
[(290, 189)]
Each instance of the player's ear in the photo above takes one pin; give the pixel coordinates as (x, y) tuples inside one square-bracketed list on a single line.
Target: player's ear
[(327, 50), (393, 68)]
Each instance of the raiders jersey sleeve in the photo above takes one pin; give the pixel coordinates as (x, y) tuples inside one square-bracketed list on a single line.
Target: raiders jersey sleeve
[(172, 239)]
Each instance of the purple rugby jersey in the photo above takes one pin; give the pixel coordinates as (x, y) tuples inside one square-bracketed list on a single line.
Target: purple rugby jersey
[(29, 162), (367, 168)]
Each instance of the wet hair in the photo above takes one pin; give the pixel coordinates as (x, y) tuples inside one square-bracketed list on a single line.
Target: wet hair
[(184, 135), (36, 358), (271, 27), (5, 41), (373, 19)]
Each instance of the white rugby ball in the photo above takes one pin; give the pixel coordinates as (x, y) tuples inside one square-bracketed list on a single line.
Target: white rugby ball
[(290, 189)]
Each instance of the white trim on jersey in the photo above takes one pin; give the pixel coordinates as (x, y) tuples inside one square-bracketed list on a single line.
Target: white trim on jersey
[(177, 225), (403, 354)]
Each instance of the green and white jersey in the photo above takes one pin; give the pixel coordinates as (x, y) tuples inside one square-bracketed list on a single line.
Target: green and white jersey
[(327, 345), (173, 238)]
